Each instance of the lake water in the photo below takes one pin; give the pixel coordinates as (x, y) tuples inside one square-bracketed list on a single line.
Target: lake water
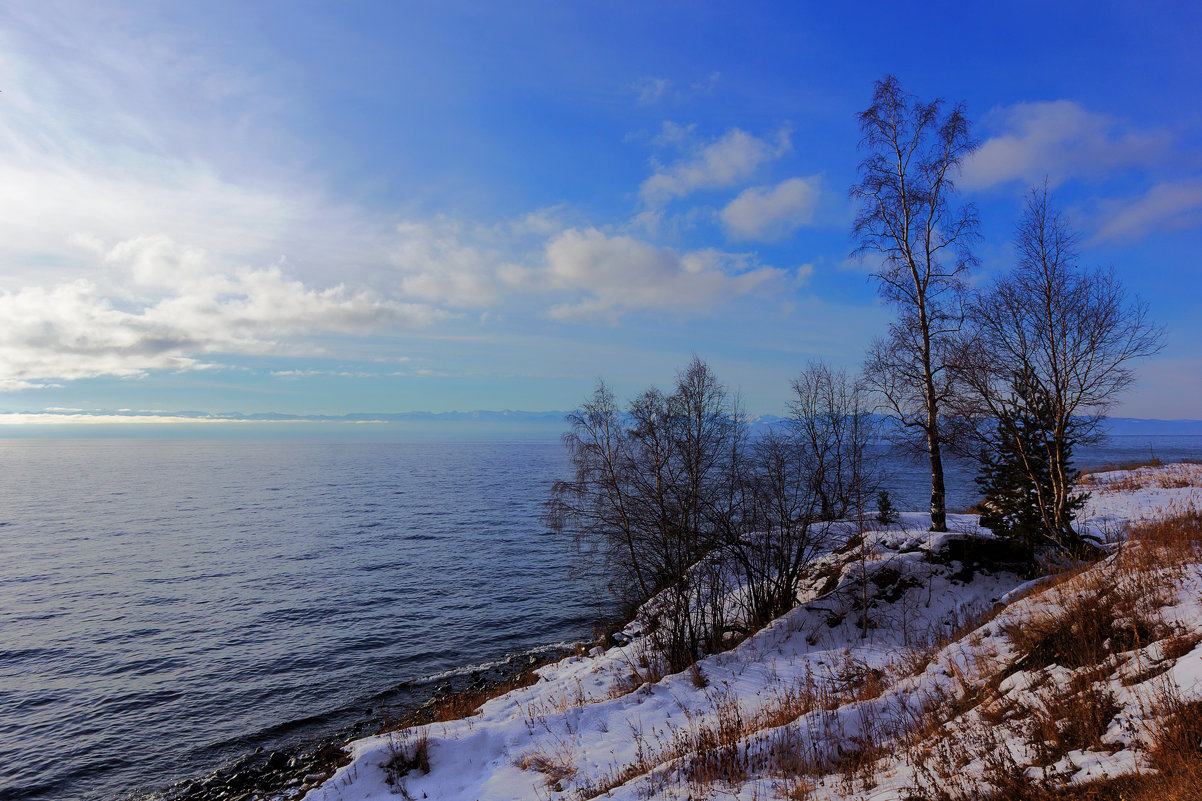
[(167, 606)]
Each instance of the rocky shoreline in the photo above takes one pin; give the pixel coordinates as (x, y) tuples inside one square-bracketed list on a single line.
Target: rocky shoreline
[(290, 772)]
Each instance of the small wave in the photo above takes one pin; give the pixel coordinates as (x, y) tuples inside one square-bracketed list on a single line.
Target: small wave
[(467, 670), (17, 654)]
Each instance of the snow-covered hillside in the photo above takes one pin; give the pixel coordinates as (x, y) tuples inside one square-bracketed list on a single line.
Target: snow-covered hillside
[(965, 677)]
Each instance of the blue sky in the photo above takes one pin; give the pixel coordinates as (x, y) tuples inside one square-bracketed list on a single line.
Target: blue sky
[(325, 208)]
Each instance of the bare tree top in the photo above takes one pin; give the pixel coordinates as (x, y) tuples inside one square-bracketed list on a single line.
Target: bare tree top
[(913, 152)]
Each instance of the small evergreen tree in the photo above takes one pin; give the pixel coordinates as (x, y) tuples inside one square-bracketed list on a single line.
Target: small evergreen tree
[(1016, 476), (886, 512)]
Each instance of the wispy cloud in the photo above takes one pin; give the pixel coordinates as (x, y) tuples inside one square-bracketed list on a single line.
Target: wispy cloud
[(649, 90), (729, 160), (1058, 140), (1166, 206), (769, 213)]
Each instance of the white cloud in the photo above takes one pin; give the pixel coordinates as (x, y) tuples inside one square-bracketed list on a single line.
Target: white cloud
[(445, 262), (158, 261), (673, 134), (770, 213), (1165, 207), (159, 320), (729, 160), (612, 275), (1058, 139), (578, 272)]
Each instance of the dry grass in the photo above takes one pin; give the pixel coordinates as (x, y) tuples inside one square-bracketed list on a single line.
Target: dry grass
[(1174, 539), (1085, 632), (557, 763), (1070, 718), (1133, 464), (463, 703), (1111, 608), (714, 749), (1175, 759), (1144, 475), (647, 670), (1180, 643), (1177, 741), (467, 703), (407, 752)]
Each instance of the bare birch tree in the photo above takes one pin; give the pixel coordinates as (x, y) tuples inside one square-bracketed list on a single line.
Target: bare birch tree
[(599, 502), (913, 152), (1059, 333)]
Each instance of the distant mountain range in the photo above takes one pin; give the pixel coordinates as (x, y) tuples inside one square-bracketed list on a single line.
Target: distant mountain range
[(539, 423), (1124, 426)]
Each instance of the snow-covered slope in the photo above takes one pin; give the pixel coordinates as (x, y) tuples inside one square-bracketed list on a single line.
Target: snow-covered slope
[(962, 678)]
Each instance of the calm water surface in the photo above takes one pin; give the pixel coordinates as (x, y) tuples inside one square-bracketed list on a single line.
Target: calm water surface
[(166, 606)]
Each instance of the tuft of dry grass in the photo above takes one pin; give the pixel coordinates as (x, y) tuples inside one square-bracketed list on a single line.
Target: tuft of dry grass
[(646, 671), (407, 752), (463, 703), (1180, 643), (467, 703), (557, 764), (1177, 741)]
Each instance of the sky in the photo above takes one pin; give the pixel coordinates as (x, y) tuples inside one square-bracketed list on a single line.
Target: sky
[(335, 208)]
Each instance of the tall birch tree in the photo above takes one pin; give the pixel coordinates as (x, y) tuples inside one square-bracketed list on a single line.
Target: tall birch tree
[(907, 220)]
